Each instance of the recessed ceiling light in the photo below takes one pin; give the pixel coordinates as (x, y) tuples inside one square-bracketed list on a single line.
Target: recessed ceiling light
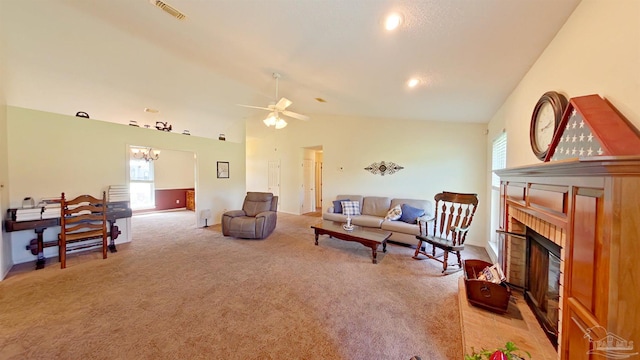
[(413, 82), (393, 21), (320, 100), (151, 110)]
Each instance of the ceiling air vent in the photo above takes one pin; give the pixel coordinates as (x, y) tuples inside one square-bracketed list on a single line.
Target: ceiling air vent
[(168, 9)]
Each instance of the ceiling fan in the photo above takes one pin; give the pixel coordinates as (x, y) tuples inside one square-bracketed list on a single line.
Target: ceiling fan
[(277, 109)]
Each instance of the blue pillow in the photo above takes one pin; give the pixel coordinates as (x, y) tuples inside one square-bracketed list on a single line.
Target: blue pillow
[(337, 206), (410, 214)]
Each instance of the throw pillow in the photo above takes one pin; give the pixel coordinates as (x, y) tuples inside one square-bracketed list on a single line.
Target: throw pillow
[(394, 213), (337, 206), (350, 208), (410, 214)]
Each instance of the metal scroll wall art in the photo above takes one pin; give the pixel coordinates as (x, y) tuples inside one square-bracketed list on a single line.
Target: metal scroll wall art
[(383, 168)]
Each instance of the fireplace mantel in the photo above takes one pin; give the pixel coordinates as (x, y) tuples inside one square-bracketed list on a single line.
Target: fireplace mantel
[(591, 166), (590, 207)]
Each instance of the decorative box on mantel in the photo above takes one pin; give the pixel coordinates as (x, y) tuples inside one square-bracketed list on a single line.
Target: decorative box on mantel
[(591, 126)]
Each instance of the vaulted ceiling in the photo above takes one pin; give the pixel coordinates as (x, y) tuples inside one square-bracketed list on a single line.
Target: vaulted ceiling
[(114, 58)]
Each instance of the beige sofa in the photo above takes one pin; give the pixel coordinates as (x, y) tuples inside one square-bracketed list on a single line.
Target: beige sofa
[(373, 210)]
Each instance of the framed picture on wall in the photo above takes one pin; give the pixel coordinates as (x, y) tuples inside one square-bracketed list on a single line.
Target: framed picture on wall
[(223, 169)]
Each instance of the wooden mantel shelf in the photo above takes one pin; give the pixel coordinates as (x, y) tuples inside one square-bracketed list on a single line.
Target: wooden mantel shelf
[(586, 166)]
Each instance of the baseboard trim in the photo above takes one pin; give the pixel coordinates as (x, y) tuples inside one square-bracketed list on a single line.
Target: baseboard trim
[(493, 254)]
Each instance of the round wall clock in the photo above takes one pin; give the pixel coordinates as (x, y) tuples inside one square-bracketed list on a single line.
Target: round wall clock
[(546, 116)]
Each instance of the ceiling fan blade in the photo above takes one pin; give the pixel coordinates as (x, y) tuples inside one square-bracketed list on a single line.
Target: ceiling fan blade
[(283, 103), (254, 107), (295, 115)]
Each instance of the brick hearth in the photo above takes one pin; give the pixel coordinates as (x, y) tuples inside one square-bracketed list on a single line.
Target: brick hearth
[(482, 329)]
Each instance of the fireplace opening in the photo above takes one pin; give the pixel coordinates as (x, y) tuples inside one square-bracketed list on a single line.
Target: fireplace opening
[(542, 282)]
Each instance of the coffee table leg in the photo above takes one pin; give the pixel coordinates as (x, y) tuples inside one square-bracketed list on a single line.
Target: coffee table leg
[(316, 238), (374, 250), (384, 246)]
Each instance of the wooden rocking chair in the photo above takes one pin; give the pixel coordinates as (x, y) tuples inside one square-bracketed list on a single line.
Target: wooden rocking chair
[(453, 216)]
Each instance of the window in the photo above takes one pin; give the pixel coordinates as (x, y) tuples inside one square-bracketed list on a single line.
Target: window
[(498, 161), (142, 186), (498, 158)]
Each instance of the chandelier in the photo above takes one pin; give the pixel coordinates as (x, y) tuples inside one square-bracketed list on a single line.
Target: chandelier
[(145, 154), (274, 120)]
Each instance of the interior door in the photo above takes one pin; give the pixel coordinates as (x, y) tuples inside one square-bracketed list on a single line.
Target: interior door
[(318, 184), (274, 178), (308, 186)]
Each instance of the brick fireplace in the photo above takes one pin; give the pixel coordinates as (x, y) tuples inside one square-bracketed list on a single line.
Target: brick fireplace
[(588, 207), (517, 257), (516, 247)]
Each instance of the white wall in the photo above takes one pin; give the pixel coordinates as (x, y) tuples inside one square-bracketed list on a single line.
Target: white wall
[(70, 39), (436, 156), (5, 245), (597, 51), (51, 153), (174, 170)]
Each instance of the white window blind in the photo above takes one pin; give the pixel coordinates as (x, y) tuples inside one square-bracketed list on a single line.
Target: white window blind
[(498, 157)]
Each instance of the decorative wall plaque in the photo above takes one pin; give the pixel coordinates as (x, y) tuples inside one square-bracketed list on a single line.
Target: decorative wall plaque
[(383, 168)]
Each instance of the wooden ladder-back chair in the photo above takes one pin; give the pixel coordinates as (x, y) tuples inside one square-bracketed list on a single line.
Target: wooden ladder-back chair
[(452, 220), (83, 224)]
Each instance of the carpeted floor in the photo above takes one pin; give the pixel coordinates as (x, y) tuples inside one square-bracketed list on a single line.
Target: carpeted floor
[(180, 292)]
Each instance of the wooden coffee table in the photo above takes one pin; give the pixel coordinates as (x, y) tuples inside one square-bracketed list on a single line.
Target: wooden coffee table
[(368, 237)]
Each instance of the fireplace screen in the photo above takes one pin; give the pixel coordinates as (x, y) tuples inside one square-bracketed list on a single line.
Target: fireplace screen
[(542, 287)]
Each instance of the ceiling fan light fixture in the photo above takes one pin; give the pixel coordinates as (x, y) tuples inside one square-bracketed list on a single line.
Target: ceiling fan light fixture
[(271, 120), (278, 108), (280, 124)]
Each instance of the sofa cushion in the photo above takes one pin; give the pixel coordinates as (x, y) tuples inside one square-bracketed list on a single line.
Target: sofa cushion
[(337, 206), (427, 205), (350, 208), (376, 206), (410, 214), (401, 227), (394, 213), (334, 217), (367, 220)]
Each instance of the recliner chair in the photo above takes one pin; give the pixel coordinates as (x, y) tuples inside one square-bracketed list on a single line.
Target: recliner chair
[(256, 220)]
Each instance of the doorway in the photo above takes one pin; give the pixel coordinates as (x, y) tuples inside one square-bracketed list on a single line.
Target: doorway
[(311, 190), (161, 183)]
